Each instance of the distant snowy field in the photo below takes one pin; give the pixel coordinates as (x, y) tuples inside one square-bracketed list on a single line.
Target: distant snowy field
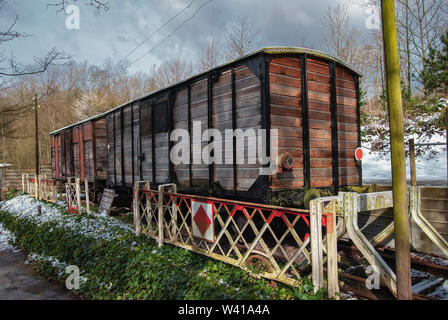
[(376, 169)]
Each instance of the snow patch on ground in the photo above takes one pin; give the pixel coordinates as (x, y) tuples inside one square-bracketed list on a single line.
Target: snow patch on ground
[(376, 166), (25, 207), (431, 259), (97, 227), (425, 284), (61, 266), (419, 274), (441, 292), (6, 238)]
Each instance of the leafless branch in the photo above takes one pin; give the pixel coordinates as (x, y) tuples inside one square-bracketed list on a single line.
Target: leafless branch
[(40, 64), (242, 38), (97, 4), (10, 34)]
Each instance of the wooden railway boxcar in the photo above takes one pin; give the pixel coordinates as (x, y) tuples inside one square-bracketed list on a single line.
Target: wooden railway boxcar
[(311, 98), (80, 151)]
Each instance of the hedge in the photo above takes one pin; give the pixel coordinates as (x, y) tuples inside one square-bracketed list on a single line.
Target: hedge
[(116, 264)]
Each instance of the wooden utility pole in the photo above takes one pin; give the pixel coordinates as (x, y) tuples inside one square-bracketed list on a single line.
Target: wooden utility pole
[(36, 133), (412, 162), (401, 220), (446, 125)]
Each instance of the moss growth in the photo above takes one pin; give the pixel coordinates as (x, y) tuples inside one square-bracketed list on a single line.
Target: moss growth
[(310, 195)]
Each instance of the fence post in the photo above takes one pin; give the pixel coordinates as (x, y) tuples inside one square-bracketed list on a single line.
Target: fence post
[(86, 188), (174, 215), (160, 216), (67, 193), (54, 191), (137, 225), (36, 186), (316, 245), (23, 183), (78, 193), (39, 187), (332, 252), (412, 162)]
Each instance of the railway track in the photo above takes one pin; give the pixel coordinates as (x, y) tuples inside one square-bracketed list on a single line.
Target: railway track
[(429, 274)]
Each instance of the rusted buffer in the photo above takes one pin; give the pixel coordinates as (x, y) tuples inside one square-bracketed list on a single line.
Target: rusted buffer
[(310, 97)]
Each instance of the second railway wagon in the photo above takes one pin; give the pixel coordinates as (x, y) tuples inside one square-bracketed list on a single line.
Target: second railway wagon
[(310, 97)]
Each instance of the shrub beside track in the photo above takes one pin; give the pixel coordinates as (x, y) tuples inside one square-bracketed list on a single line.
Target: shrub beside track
[(116, 264)]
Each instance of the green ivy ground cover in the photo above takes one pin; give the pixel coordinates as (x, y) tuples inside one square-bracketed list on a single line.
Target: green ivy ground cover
[(116, 264)]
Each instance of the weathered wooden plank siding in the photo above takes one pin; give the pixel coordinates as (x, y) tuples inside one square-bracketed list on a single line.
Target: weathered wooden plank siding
[(101, 148), (347, 128), (66, 153), (110, 150), (59, 156), (199, 112), (146, 140), (180, 121), (135, 142), (222, 120), (318, 74), (13, 177), (123, 144), (161, 157), (286, 117), (81, 145), (161, 140), (53, 155), (80, 150), (118, 158), (136, 139), (248, 116), (434, 207), (127, 145), (76, 164), (88, 167)]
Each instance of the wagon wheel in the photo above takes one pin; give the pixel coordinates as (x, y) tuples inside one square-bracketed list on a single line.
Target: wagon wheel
[(262, 264)]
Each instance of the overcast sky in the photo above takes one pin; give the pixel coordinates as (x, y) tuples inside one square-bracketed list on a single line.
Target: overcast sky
[(116, 32)]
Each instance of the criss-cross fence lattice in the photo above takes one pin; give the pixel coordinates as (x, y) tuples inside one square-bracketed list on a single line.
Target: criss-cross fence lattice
[(73, 191), (281, 244), (40, 187), (47, 189)]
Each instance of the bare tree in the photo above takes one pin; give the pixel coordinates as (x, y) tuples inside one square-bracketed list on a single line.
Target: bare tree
[(67, 93), (242, 38), (420, 23), (171, 71), (301, 38), (428, 20), (341, 37), (210, 58), (11, 68)]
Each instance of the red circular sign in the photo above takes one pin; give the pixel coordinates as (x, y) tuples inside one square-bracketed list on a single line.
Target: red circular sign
[(358, 154)]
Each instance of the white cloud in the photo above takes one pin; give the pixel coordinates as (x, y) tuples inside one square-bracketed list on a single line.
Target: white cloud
[(116, 32)]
